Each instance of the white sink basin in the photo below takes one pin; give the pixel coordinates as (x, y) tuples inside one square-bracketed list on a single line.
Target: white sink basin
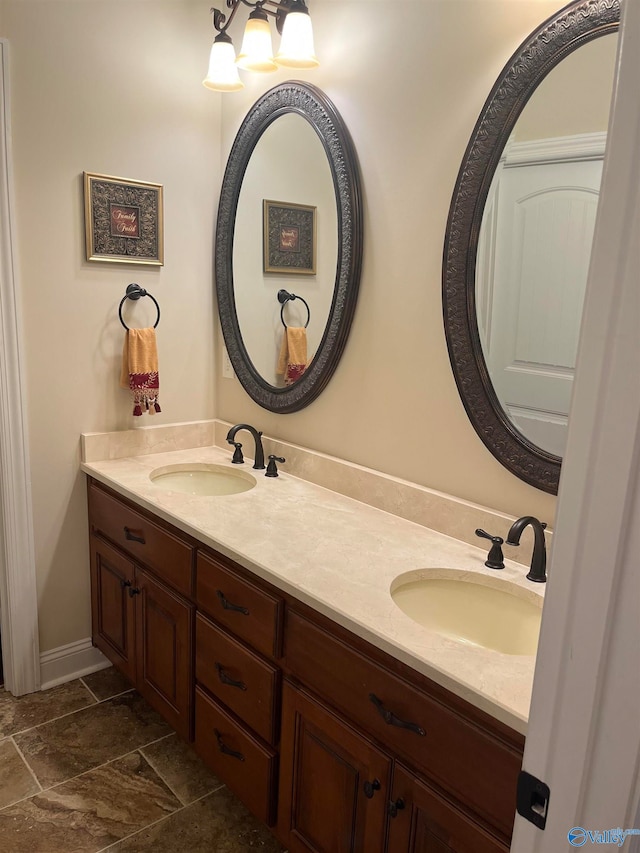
[(202, 479), (472, 608)]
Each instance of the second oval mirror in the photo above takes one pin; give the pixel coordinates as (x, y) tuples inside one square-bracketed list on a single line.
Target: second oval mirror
[(288, 246)]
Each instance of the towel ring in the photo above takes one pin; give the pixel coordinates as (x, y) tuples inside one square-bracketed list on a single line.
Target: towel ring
[(135, 292), (283, 297)]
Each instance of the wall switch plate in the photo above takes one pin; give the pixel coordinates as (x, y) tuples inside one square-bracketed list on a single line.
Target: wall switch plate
[(227, 369)]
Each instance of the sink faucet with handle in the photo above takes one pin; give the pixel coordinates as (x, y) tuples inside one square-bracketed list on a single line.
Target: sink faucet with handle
[(259, 454), (537, 572)]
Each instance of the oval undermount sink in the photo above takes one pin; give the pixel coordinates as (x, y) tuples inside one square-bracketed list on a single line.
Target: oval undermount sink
[(471, 608), (202, 479)]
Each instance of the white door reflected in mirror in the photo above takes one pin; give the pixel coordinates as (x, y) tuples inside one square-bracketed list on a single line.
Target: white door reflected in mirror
[(535, 243)]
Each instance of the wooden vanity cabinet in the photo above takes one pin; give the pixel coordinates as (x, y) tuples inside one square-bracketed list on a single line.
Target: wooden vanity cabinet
[(142, 624), (423, 821), (238, 681), (454, 770), (338, 746), (334, 783)]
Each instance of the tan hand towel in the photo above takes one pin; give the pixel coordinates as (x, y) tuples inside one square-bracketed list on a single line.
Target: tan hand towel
[(140, 369), (292, 361)]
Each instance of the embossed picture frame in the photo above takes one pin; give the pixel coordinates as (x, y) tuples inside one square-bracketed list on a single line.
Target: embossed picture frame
[(289, 237), (123, 220)]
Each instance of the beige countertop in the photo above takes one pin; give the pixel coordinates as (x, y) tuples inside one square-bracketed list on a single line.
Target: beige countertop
[(339, 556)]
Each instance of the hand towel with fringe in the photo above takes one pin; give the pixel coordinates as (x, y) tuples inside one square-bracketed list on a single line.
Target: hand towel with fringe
[(292, 362), (140, 370)]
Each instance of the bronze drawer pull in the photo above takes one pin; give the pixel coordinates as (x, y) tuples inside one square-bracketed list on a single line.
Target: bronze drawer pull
[(128, 534), (225, 749), (224, 678), (124, 583), (395, 806), (227, 605), (391, 720), (370, 788)]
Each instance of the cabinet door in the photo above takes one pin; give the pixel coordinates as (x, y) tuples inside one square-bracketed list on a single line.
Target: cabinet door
[(421, 821), (164, 632), (112, 606), (334, 783)]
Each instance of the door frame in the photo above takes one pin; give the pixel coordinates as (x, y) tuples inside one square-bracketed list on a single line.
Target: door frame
[(18, 592)]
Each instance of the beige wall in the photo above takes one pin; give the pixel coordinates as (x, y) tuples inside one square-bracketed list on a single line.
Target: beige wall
[(575, 97), (409, 79), (114, 88)]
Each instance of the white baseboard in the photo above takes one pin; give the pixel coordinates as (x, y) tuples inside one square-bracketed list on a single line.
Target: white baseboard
[(71, 661)]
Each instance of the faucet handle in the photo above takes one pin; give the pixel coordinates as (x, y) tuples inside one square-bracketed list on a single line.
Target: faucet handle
[(238, 458), (495, 558), (272, 468)]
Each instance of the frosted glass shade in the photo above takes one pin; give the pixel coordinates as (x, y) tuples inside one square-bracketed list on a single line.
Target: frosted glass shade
[(256, 53), (296, 45), (222, 75)]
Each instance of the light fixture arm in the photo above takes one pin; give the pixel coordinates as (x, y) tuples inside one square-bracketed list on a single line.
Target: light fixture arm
[(279, 11)]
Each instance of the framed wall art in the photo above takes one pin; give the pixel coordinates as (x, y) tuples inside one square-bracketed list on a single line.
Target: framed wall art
[(123, 220), (289, 238)]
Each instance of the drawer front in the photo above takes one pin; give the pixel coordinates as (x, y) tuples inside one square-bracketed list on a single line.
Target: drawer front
[(244, 764), (479, 770), (148, 543), (240, 679), (247, 611)]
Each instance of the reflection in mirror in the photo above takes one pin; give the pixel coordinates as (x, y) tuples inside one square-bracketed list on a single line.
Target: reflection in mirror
[(535, 242), (300, 175), (293, 166), (518, 238)]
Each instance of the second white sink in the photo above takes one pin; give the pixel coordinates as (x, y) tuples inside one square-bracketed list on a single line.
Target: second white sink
[(202, 479), (472, 609)]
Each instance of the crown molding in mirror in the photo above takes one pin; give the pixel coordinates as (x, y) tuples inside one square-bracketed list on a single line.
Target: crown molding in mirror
[(557, 37), (317, 109)]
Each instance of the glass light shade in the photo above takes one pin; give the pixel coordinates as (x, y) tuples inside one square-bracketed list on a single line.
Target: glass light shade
[(296, 45), (256, 53), (222, 75)]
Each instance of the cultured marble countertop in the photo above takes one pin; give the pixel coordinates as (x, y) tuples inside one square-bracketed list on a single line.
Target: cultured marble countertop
[(340, 557)]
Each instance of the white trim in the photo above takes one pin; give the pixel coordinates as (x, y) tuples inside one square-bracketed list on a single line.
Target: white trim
[(18, 594), (71, 661), (584, 729), (557, 149)]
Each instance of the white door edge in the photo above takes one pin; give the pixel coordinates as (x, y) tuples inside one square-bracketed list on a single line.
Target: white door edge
[(584, 728)]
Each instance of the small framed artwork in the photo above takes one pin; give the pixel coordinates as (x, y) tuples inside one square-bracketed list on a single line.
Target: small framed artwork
[(123, 220), (289, 238)]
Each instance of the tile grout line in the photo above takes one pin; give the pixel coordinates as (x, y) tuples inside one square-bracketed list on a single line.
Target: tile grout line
[(91, 770), (68, 714), (86, 686), (155, 769), (160, 820), (28, 766)]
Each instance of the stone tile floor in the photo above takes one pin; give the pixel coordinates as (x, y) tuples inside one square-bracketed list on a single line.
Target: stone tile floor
[(88, 766)]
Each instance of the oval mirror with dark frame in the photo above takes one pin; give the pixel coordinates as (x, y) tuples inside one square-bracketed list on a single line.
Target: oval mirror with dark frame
[(508, 428), (292, 159)]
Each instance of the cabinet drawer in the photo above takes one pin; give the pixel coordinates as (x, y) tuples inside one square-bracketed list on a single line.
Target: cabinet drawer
[(240, 679), (244, 764), (480, 770), (243, 608), (168, 556)]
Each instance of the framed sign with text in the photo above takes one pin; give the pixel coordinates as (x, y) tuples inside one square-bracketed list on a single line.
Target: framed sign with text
[(123, 220), (289, 238)]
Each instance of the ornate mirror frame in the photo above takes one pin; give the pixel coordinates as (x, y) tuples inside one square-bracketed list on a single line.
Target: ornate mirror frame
[(317, 109), (561, 34)]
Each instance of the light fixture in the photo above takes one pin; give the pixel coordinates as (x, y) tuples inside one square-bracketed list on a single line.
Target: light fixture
[(256, 54)]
